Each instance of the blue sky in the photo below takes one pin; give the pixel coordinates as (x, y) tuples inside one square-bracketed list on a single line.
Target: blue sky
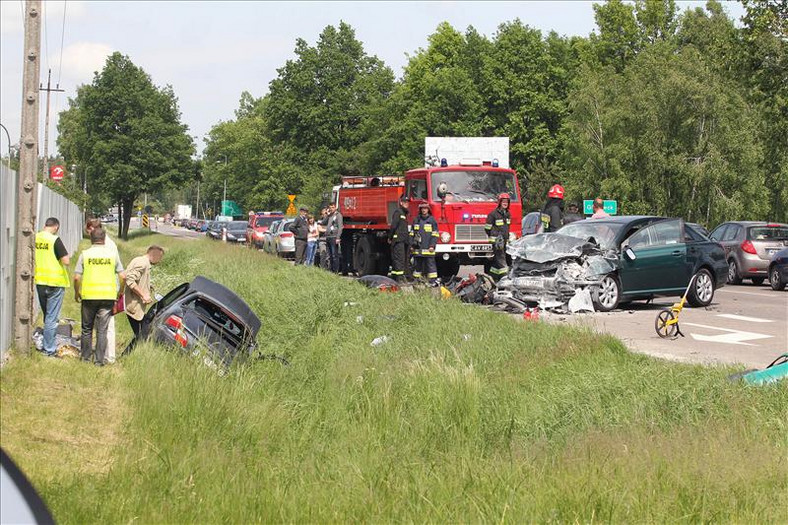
[(212, 51)]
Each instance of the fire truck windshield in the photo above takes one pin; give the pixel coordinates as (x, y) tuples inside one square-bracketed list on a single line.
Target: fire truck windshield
[(477, 185)]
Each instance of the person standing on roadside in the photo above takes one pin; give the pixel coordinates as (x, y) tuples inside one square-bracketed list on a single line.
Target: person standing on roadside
[(334, 225), (553, 210), (424, 239), (300, 230), (399, 239), (572, 213), (51, 278), (138, 294), (322, 248), (497, 225), (311, 241), (95, 285), (91, 225), (599, 209)]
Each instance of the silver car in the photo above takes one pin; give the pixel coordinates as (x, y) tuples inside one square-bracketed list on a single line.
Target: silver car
[(269, 246), (749, 246), (284, 240)]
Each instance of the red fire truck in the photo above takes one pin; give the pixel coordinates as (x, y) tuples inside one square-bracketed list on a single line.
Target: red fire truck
[(460, 197)]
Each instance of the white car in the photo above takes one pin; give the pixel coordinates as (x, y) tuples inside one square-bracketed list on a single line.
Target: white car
[(284, 240)]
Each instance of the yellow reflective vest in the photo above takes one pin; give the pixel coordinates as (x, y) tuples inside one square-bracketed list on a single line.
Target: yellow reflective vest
[(49, 271), (98, 273)]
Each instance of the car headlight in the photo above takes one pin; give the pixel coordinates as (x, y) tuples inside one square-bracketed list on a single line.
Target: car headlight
[(512, 236), (259, 235), (445, 237)]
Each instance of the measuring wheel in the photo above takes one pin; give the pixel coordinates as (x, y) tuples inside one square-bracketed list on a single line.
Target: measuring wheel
[(666, 324)]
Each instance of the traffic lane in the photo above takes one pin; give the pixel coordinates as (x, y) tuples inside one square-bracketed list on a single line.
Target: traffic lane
[(737, 328), (178, 231)]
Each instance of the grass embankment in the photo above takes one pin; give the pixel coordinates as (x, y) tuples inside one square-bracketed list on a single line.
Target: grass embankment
[(464, 415)]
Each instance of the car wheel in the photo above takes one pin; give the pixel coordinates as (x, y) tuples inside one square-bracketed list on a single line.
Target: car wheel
[(608, 294), (757, 281), (775, 280), (702, 290), (733, 272)]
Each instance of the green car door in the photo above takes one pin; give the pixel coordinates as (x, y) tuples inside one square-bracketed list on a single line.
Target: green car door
[(659, 265)]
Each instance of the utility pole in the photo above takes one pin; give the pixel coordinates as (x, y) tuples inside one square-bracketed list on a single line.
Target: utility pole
[(197, 208), (46, 124), (26, 185)]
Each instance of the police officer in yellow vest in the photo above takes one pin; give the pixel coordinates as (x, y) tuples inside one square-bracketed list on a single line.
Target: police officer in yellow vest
[(51, 279), (96, 286)]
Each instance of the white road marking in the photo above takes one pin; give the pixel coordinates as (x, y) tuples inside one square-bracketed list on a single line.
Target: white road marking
[(745, 318), (767, 295), (733, 337)]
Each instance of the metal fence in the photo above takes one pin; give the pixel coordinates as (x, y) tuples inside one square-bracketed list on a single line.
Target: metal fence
[(50, 204)]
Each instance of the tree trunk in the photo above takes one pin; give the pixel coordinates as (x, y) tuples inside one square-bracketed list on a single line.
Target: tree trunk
[(120, 217), (128, 204)]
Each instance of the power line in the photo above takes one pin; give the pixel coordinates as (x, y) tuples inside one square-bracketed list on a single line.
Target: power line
[(46, 34), (62, 39)]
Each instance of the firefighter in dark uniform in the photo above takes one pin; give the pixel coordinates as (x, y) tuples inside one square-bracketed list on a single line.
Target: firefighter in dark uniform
[(399, 239), (553, 210), (497, 226), (424, 238)]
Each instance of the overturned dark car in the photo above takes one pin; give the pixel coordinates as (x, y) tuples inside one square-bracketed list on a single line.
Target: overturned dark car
[(204, 317), (596, 264)]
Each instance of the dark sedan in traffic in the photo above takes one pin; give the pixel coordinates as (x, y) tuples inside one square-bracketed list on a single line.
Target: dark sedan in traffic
[(654, 256), (778, 270)]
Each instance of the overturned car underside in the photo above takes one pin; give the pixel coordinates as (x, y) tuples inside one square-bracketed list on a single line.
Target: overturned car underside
[(556, 271)]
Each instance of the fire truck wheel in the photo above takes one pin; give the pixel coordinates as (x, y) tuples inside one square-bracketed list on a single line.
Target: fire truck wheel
[(364, 257)]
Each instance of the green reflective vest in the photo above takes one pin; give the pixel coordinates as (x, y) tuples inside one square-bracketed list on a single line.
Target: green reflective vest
[(98, 273), (49, 271)]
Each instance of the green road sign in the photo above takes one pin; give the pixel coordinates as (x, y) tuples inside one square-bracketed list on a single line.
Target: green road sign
[(610, 207), (231, 208)]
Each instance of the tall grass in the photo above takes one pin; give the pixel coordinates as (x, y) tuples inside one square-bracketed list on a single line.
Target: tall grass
[(463, 415)]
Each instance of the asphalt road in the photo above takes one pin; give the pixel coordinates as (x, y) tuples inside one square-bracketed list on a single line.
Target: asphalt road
[(745, 324)]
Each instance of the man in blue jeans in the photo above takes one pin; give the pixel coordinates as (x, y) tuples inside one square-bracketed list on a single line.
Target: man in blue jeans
[(51, 279)]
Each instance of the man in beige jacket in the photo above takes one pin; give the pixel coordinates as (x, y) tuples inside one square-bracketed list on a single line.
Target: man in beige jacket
[(138, 290)]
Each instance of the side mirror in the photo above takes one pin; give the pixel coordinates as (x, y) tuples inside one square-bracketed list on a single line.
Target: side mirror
[(629, 253), (443, 190)]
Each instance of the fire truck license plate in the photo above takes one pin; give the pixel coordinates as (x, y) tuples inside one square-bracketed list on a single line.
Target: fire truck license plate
[(481, 247)]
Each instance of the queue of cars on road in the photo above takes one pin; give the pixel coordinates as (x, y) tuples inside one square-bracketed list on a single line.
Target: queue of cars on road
[(655, 256)]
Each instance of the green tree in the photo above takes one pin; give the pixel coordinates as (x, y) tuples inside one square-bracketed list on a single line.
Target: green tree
[(668, 136), (317, 108), (765, 73), (126, 134)]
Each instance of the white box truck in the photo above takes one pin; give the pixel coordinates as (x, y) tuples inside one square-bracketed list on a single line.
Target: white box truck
[(183, 212), (466, 150)]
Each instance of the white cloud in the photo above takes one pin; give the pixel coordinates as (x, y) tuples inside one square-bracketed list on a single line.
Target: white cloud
[(81, 60)]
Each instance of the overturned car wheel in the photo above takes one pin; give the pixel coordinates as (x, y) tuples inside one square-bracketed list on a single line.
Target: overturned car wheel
[(608, 294)]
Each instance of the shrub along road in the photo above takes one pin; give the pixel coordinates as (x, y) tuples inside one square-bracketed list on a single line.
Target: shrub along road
[(463, 415)]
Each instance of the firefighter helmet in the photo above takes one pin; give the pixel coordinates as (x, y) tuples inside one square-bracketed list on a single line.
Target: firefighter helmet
[(424, 205), (556, 192), (504, 196)]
